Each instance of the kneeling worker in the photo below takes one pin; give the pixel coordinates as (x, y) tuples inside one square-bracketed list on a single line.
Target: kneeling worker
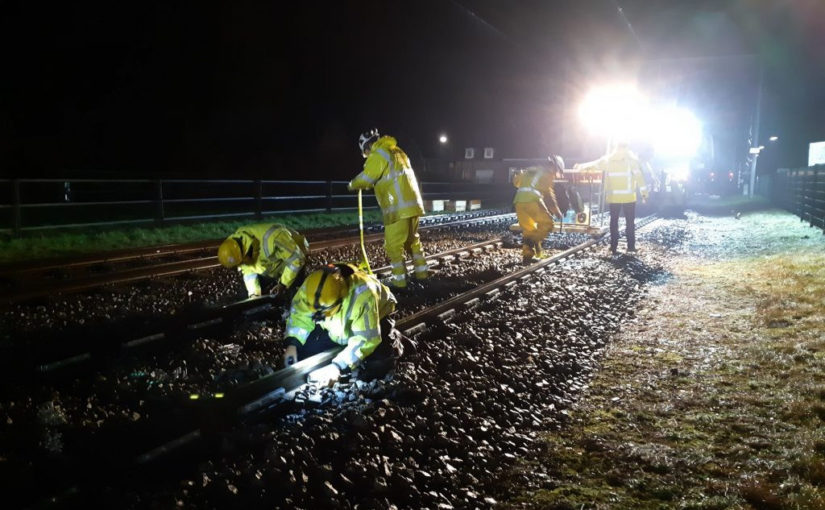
[(270, 250), (534, 185), (349, 308)]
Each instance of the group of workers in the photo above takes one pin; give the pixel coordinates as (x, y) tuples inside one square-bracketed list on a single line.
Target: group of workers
[(341, 304), (536, 205)]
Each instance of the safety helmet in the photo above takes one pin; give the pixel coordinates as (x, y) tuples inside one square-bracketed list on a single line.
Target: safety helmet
[(324, 291), (366, 140), (229, 253), (557, 161)]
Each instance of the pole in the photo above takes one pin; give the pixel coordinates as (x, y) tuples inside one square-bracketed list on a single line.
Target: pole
[(17, 216), (755, 140), (361, 228), (601, 194)]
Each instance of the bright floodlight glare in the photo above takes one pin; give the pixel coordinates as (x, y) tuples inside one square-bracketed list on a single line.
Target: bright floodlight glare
[(442, 138), (675, 132), (774, 138), (613, 110), (679, 172)]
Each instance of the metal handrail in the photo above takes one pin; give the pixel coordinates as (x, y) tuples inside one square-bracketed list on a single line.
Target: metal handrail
[(158, 204)]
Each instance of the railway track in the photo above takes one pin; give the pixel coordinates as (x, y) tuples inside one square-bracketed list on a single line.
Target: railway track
[(68, 353), (275, 393), (28, 282)]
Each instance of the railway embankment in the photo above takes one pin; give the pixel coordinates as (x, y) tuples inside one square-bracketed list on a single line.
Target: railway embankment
[(713, 396)]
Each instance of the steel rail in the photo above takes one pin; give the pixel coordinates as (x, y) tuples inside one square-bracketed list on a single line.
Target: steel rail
[(125, 255), (271, 393), (167, 269), (70, 355), (269, 390)]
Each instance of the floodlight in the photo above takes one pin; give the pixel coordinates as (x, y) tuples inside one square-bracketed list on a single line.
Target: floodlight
[(773, 138), (674, 132), (614, 110), (679, 172), (442, 138)]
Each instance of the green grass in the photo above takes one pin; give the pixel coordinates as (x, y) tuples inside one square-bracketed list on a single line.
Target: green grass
[(740, 425), (76, 241)]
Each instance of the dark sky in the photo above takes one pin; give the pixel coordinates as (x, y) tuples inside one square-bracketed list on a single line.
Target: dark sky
[(282, 89)]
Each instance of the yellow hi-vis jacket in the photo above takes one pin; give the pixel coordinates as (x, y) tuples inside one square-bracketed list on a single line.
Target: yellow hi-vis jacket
[(388, 170), (356, 323), (533, 185), (277, 252), (622, 175)]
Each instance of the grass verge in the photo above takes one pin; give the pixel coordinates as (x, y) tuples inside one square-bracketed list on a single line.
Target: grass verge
[(69, 242), (715, 399)]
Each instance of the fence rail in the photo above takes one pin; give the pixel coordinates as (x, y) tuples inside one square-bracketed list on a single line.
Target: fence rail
[(39, 204), (802, 192)]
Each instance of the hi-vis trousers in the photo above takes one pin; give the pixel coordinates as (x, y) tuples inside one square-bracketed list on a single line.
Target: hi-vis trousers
[(401, 237), (536, 223)]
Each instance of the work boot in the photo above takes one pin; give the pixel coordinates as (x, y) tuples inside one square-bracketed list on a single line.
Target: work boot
[(527, 253), (399, 275), (420, 267)]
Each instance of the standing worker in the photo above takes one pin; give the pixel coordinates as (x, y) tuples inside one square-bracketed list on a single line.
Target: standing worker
[(270, 250), (622, 175), (534, 185), (349, 308), (387, 169)]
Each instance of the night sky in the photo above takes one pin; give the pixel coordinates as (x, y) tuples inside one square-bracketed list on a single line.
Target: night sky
[(282, 89)]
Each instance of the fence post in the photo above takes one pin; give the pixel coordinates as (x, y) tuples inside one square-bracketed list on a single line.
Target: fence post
[(329, 196), (809, 197), (259, 192), (819, 195), (159, 201), (17, 219)]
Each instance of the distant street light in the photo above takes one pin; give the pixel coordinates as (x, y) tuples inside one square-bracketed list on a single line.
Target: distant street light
[(773, 138), (442, 138)]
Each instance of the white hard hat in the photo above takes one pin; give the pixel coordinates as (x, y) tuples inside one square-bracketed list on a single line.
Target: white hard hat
[(367, 139), (556, 160)]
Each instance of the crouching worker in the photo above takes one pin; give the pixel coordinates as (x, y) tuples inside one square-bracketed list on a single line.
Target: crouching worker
[(341, 305), (270, 250), (534, 186)]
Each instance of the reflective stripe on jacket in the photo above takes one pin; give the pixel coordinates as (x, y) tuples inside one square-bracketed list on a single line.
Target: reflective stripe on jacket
[(355, 325), (388, 170), (277, 252), (622, 175), (534, 184)]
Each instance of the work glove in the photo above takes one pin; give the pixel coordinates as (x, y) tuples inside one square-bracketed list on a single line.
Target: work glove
[(325, 375), (290, 355)]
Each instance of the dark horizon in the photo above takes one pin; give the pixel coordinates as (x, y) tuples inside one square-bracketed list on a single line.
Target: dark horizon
[(282, 91)]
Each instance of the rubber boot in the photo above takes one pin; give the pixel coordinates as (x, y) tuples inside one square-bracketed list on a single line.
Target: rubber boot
[(527, 252), (399, 274), (421, 268)]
